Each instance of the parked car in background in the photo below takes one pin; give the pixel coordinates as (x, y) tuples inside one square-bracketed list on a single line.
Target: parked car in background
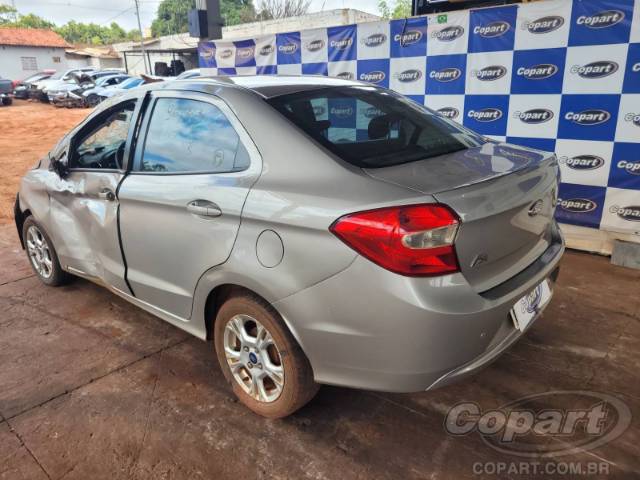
[(193, 73), (401, 257), (122, 87), (41, 87), (92, 95), (6, 87), (21, 88), (70, 94)]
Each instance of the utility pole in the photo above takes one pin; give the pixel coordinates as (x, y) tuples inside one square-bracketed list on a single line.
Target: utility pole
[(144, 54)]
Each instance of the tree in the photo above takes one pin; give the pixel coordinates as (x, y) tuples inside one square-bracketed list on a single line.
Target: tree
[(401, 9), (8, 14), (72, 31), (271, 9), (172, 15)]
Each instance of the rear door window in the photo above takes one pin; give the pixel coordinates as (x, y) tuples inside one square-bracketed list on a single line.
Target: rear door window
[(371, 127), (191, 136)]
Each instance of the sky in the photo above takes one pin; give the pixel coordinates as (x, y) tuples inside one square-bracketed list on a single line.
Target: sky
[(123, 11)]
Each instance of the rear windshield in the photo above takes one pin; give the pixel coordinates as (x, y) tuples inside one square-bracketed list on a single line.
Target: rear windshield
[(371, 127)]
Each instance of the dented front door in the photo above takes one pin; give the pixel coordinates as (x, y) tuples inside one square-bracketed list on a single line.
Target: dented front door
[(84, 213), (84, 204)]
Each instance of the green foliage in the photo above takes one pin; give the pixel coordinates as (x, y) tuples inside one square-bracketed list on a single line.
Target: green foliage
[(172, 16), (91, 33), (401, 9), (7, 13), (72, 31)]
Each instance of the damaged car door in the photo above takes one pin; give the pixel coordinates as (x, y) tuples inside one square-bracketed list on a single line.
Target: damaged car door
[(182, 200), (84, 203)]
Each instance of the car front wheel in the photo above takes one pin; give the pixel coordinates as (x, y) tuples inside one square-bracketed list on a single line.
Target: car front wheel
[(42, 255), (266, 367)]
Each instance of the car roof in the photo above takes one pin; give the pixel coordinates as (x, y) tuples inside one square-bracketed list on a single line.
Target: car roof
[(272, 85)]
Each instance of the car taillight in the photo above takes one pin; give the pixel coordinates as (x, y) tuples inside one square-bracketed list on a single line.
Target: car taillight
[(413, 240)]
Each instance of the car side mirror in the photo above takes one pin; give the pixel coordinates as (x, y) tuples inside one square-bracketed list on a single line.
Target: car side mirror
[(60, 166)]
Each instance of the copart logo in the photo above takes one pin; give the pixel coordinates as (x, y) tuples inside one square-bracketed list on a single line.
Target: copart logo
[(535, 115), (588, 117), (633, 118), (492, 30), (490, 73), (341, 44), (449, 112), (577, 205), (267, 50), (345, 75), (544, 24), (246, 52), (288, 48), (604, 19), (629, 166), (446, 74), (373, 112), (488, 114), (411, 75), (599, 69), (583, 162), (341, 111), (448, 34), (319, 111), (538, 72), (535, 426), (373, 77), (315, 45), (227, 53), (630, 213), (409, 37), (374, 40), (207, 52)]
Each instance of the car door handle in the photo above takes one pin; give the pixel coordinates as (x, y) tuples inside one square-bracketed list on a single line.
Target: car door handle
[(204, 208), (107, 195)]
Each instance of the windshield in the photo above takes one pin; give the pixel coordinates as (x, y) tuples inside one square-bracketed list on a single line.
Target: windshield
[(129, 83), (371, 127), (102, 80), (57, 76)]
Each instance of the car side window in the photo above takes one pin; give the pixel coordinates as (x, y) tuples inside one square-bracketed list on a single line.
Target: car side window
[(190, 136), (103, 146)]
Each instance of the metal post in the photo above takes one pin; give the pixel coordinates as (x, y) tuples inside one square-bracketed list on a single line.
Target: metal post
[(146, 70)]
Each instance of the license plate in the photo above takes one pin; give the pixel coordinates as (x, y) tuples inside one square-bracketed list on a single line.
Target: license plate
[(530, 305)]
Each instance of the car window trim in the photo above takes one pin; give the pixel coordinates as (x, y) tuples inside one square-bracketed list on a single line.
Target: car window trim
[(243, 135)]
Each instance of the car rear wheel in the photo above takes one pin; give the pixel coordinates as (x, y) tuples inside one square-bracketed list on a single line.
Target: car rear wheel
[(93, 100), (42, 255), (266, 367)]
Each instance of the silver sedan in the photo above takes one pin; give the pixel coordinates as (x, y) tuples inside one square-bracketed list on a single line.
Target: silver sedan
[(317, 230)]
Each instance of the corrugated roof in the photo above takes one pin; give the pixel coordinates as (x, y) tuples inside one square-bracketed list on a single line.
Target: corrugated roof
[(31, 37)]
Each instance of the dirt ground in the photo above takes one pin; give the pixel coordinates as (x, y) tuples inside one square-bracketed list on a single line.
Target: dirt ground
[(38, 126), (92, 387)]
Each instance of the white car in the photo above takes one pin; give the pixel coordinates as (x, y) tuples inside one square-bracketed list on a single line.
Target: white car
[(57, 80)]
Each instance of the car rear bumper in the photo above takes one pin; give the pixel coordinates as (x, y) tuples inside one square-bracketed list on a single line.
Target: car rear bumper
[(369, 328)]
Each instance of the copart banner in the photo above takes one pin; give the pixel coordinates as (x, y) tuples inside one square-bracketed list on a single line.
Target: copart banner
[(555, 75)]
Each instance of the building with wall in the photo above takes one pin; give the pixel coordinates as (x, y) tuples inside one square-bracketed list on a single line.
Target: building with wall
[(25, 51), (184, 47)]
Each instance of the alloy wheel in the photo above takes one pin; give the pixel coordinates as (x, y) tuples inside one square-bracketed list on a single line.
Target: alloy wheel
[(253, 358), (39, 252)]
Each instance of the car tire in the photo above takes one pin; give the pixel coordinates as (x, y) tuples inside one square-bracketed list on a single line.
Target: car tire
[(276, 348), (42, 255), (93, 100)]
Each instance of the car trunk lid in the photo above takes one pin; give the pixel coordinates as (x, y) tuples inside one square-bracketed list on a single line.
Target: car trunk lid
[(505, 197)]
